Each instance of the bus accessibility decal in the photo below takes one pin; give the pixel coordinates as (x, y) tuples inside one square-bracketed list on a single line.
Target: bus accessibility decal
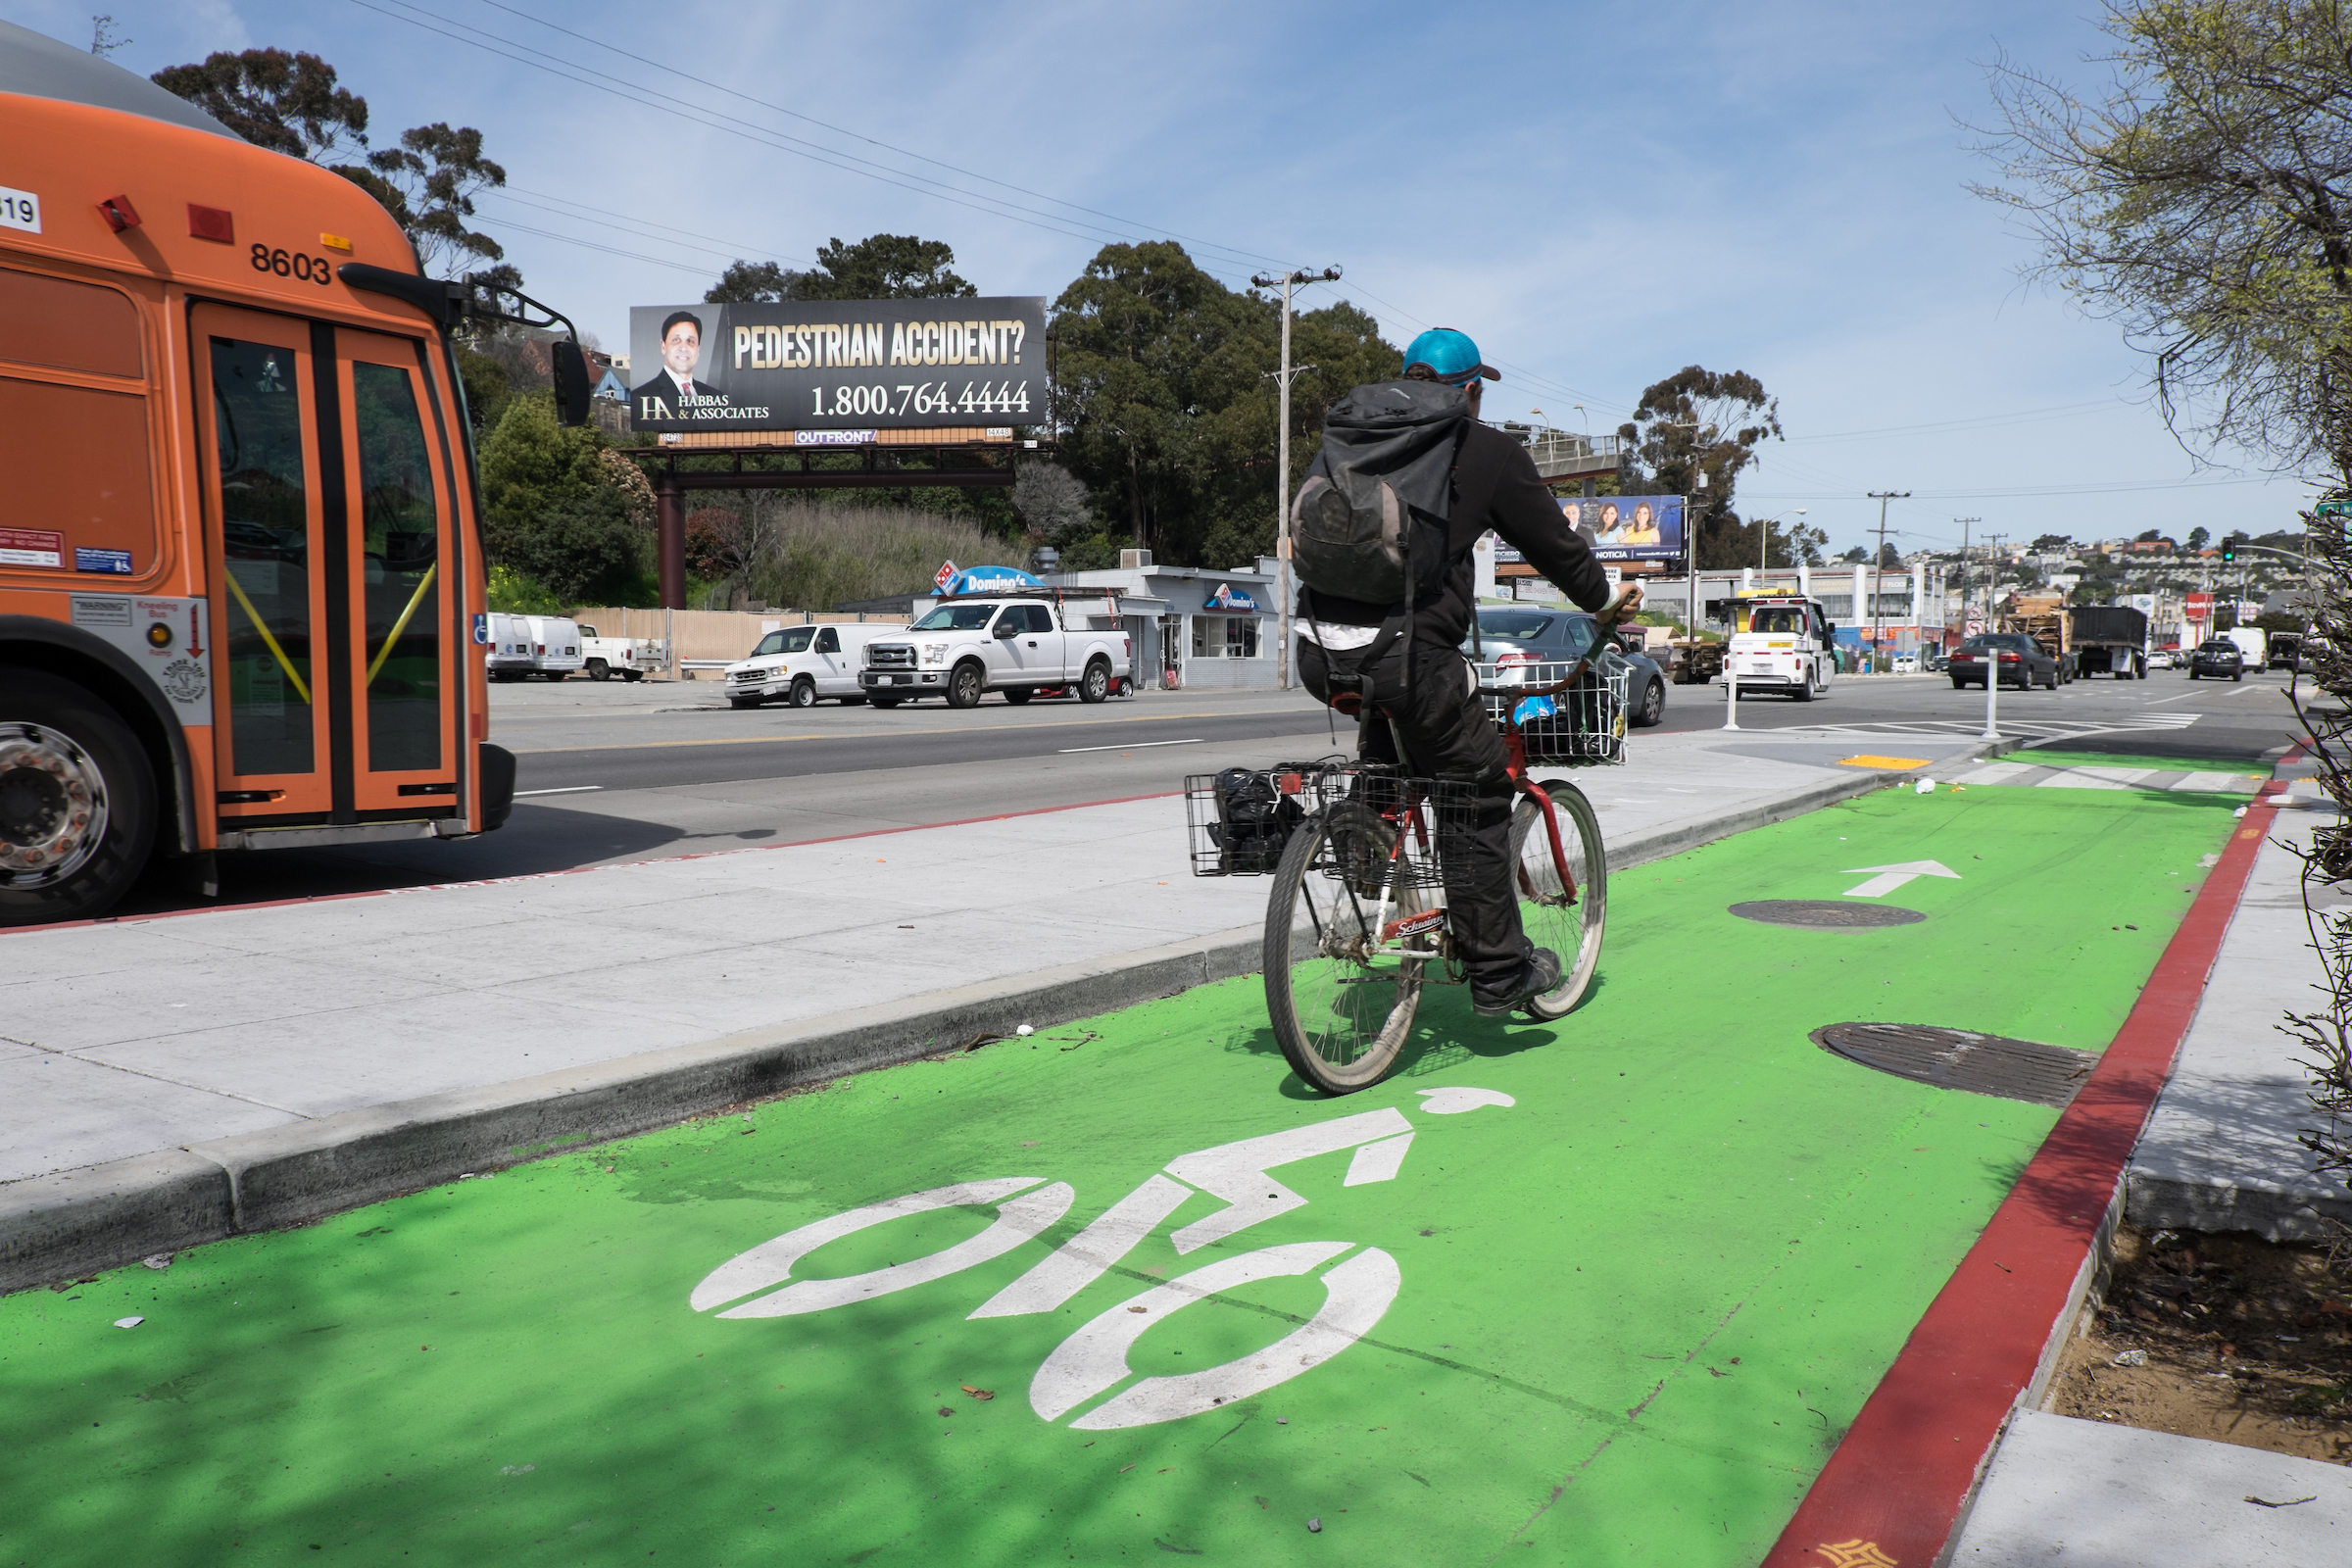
[(1093, 1360)]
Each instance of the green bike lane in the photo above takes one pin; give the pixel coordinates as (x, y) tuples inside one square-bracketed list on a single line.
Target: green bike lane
[(1623, 1318)]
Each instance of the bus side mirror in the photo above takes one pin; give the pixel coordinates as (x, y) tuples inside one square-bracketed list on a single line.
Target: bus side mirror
[(571, 383)]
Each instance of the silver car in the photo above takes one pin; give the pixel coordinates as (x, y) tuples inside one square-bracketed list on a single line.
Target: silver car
[(1533, 635)]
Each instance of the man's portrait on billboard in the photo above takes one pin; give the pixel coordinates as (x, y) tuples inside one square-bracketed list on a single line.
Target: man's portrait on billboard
[(1578, 515), (681, 349)]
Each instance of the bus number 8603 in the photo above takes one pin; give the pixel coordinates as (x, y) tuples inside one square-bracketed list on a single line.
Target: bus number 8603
[(310, 269)]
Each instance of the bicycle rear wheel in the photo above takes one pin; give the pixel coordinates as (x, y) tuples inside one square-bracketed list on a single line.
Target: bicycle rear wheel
[(1569, 929), (1339, 1014)]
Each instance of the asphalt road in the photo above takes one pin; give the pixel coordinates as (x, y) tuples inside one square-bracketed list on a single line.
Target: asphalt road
[(616, 772)]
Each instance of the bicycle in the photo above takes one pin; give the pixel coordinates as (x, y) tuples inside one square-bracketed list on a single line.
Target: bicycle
[(1352, 931)]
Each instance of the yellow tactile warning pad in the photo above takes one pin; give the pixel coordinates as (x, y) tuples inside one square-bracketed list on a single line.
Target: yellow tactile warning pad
[(1868, 760)]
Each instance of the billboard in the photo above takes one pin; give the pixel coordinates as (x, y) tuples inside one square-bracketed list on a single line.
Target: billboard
[(838, 370), (1629, 527)]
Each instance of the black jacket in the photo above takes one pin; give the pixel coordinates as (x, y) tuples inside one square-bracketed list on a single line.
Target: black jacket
[(1494, 487)]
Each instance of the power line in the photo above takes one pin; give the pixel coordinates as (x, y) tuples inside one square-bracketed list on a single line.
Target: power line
[(2126, 487), (871, 141), (609, 250), (732, 125), (2062, 410), (733, 249)]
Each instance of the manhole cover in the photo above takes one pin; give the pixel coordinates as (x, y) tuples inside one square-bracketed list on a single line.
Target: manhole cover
[(1826, 914), (1961, 1059)]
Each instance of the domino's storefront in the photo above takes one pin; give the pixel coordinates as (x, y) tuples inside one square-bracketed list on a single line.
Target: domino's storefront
[(1212, 630)]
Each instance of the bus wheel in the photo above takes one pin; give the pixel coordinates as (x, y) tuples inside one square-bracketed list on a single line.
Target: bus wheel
[(77, 802)]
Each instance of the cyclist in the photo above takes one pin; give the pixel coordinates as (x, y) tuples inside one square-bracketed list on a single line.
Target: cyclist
[(1445, 728)]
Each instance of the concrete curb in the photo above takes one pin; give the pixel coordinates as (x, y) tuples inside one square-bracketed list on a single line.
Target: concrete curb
[(77, 1222)]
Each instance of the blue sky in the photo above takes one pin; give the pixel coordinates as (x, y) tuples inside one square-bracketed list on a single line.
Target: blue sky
[(1599, 193)]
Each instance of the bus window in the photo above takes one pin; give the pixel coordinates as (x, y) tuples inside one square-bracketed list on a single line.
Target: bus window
[(401, 566), (67, 325), (264, 525), (77, 469)]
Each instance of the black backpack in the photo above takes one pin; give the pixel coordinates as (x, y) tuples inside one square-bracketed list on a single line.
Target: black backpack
[(1253, 822), (1384, 476)]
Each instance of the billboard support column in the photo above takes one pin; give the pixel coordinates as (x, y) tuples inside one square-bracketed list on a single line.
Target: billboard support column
[(669, 510)]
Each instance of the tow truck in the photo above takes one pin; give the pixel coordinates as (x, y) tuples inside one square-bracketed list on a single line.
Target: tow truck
[(1788, 648)]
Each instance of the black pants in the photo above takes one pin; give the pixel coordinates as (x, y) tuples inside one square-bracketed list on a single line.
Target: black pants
[(1447, 734)]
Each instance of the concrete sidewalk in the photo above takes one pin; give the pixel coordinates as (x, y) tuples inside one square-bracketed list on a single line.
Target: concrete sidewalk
[(2096, 1496), (2219, 1153), (177, 1078)]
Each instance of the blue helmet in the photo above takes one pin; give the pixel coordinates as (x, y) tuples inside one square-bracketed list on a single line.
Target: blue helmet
[(1448, 354)]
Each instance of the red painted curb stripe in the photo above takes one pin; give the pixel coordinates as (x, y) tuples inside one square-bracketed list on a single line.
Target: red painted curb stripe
[(576, 870), (1903, 1471)]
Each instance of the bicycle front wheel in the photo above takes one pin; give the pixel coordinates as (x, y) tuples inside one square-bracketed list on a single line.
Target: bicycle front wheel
[(1570, 925), (1339, 1011)]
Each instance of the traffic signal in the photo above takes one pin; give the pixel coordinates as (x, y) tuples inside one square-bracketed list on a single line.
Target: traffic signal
[(2228, 550)]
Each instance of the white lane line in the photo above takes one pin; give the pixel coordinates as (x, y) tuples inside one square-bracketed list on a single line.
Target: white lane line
[(1131, 746), (568, 789)]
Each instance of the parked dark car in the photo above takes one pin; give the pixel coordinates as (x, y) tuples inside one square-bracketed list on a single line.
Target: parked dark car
[(1541, 636), (2023, 663), (2217, 656)]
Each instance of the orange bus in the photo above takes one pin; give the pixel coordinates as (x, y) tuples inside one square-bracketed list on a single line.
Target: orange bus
[(241, 579)]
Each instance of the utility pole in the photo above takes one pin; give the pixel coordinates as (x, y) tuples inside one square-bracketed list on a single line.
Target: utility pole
[(1878, 564), (1964, 523), (1282, 485)]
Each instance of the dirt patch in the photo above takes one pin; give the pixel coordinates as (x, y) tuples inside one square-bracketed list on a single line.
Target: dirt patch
[(2237, 1340)]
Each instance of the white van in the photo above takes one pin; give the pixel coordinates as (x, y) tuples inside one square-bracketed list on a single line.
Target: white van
[(802, 663), (547, 646)]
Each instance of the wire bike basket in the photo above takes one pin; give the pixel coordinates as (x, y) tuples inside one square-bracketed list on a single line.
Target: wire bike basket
[(1392, 830), (1238, 821), (1584, 725)]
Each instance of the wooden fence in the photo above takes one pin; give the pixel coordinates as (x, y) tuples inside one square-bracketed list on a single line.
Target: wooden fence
[(704, 635)]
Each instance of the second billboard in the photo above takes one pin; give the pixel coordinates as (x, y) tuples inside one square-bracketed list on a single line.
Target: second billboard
[(1629, 527), (845, 366)]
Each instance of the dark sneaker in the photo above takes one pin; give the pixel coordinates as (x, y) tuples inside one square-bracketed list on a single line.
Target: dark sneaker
[(1542, 974)]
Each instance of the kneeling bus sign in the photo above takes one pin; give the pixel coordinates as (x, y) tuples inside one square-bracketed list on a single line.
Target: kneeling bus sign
[(845, 366)]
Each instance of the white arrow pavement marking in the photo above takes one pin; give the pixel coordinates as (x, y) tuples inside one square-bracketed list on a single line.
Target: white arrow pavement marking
[(1890, 877)]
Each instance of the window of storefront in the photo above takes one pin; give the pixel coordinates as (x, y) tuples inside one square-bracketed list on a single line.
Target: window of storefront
[(1240, 637)]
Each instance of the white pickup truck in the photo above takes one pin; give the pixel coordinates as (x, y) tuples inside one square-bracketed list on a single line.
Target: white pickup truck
[(966, 648), (629, 658)]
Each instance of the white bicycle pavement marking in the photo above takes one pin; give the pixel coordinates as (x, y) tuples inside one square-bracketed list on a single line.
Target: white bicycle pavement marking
[(1093, 1359), (1090, 1254), (770, 1262), (1236, 1172)]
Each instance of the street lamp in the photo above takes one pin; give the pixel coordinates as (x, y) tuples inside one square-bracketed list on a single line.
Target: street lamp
[(1764, 547), (1283, 376)]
